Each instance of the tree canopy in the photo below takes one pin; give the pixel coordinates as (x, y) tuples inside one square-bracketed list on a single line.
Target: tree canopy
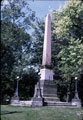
[(16, 44), (68, 28)]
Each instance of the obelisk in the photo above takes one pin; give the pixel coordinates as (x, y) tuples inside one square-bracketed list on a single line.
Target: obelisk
[(47, 86), (46, 71), (46, 60)]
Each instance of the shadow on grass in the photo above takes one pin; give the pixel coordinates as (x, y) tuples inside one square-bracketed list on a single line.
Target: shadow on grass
[(4, 113)]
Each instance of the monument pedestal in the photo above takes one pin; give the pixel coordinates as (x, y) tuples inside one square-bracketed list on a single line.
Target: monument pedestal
[(76, 102), (48, 87), (37, 102), (15, 100), (46, 74)]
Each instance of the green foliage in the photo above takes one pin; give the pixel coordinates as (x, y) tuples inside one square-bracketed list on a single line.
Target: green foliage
[(38, 37), (69, 21), (71, 58), (68, 28), (15, 44), (27, 84)]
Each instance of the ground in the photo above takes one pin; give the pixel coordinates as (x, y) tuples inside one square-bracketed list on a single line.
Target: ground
[(9, 112)]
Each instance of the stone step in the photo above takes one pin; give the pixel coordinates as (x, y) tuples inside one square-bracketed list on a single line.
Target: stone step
[(50, 86), (50, 95), (51, 98), (47, 83), (49, 92), (62, 104)]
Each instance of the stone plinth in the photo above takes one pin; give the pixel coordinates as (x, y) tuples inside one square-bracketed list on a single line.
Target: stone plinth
[(15, 100), (46, 74), (37, 102), (76, 102), (48, 87)]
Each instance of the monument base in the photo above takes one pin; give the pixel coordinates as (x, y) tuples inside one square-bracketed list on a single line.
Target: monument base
[(37, 102), (49, 91), (46, 74), (15, 100), (76, 102), (47, 86)]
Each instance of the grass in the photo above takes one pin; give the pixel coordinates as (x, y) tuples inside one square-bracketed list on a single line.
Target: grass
[(9, 112)]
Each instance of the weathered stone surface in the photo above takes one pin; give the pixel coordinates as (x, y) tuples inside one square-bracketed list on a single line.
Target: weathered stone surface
[(21, 103), (37, 102), (46, 74), (60, 104), (76, 102), (49, 91), (15, 100), (46, 60)]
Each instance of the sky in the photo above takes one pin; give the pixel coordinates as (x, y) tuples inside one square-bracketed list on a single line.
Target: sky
[(42, 7)]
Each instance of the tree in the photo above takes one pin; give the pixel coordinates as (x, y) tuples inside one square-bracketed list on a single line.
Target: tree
[(15, 42), (15, 23), (27, 84), (38, 37), (71, 59), (68, 29), (68, 21)]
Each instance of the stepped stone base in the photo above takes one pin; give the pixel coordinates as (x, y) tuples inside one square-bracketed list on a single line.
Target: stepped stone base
[(48, 91), (49, 95), (60, 104), (39, 103), (47, 85)]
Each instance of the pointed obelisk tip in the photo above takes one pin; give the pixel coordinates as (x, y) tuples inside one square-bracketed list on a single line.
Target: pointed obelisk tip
[(48, 15)]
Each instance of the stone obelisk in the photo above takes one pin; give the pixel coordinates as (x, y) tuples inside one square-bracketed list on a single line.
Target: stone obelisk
[(46, 61), (48, 88), (46, 71)]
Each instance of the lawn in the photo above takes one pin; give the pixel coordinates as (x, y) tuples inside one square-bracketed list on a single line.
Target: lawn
[(9, 112)]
